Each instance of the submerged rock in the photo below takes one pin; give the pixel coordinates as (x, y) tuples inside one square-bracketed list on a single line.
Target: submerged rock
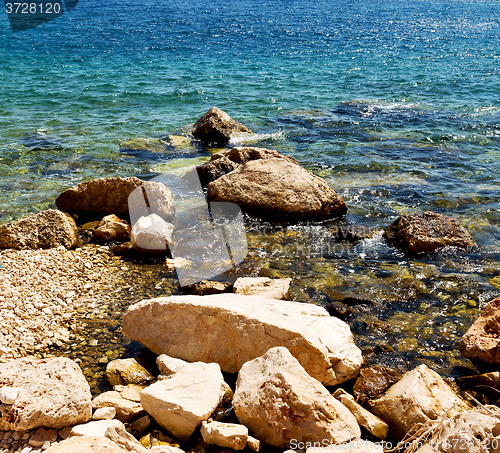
[(279, 189), (127, 371), (373, 381), (279, 402), (232, 329), (427, 232), (111, 196), (481, 343), (43, 230), (53, 393), (216, 126), (421, 395)]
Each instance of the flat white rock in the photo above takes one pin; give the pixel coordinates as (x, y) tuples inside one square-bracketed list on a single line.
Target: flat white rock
[(182, 401), (231, 329)]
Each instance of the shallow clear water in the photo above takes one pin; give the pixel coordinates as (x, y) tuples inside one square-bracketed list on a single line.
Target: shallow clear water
[(396, 104)]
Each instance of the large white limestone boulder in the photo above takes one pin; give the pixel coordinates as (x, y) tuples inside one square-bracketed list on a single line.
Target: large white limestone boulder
[(279, 402), (232, 329), (421, 395), (52, 393), (182, 401)]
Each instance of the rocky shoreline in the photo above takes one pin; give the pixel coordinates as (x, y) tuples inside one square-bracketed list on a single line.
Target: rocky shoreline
[(240, 366)]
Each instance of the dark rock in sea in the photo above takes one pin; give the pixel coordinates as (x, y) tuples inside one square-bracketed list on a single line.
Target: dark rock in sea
[(427, 232), (226, 161), (207, 287), (481, 343), (279, 189), (43, 230), (216, 126), (373, 381), (112, 196)]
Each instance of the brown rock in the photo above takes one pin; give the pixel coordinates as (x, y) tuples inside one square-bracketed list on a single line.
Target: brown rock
[(207, 287), (216, 126), (111, 228), (481, 343), (228, 160), (279, 189), (127, 371), (111, 196), (427, 232), (43, 230), (373, 381), (41, 436)]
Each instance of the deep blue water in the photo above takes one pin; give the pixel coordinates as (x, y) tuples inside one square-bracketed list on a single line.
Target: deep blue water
[(395, 103)]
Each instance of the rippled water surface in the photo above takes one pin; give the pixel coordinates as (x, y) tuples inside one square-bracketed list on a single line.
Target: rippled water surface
[(396, 104)]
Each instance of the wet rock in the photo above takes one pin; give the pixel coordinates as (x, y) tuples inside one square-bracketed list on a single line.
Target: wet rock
[(276, 288), (152, 234), (279, 189), (85, 444), (277, 400), (111, 196), (471, 431), (367, 420), (95, 429), (233, 329), (53, 393), (207, 287), (373, 381), (181, 402), (226, 161), (481, 343), (147, 144), (226, 435), (125, 409), (421, 395), (491, 380), (111, 228), (127, 371), (43, 230), (216, 126), (179, 142), (426, 232)]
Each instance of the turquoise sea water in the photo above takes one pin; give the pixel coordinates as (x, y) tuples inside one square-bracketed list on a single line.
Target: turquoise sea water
[(396, 104)]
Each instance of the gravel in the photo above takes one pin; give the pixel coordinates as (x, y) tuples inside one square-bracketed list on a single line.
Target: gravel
[(40, 290)]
